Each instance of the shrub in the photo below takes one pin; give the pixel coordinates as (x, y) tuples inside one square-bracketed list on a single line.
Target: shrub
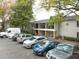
[(71, 39)]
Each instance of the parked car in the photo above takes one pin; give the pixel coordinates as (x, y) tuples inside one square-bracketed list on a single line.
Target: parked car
[(23, 37), (41, 48), (30, 42), (62, 51), (14, 38), (10, 32)]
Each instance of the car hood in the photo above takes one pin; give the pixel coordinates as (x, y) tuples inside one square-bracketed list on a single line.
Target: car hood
[(58, 54), (38, 47), (11, 34), (28, 41), (3, 32), (26, 38)]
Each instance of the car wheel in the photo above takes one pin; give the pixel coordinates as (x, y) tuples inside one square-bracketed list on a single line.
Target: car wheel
[(14, 39), (44, 54), (4, 36), (45, 57), (32, 45), (51, 57)]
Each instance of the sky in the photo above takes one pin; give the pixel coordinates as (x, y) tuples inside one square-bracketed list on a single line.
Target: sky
[(41, 13)]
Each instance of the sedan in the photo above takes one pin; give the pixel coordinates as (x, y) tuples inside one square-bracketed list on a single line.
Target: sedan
[(23, 37), (30, 42), (62, 51), (41, 48), (14, 38)]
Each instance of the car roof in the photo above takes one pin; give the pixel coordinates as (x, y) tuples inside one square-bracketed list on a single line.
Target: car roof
[(28, 34), (66, 44), (22, 34), (25, 34), (39, 37)]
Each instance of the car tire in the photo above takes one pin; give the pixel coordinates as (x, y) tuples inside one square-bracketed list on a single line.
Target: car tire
[(14, 39), (32, 45), (45, 57), (44, 54), (4, 36)]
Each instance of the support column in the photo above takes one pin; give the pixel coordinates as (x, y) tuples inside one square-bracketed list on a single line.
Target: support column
[(38, 28), (54, 34), (45, 28)]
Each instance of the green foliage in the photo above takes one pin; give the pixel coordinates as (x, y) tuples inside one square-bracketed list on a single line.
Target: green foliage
[(50, 3), (0, 0), (22, 14), (2, 11), (77, 8), (58, 4), (77, 17), (71, 39), (56, 19), (68, 2)]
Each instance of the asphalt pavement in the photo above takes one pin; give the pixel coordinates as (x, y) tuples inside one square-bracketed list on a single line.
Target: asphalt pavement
[(13, 50)]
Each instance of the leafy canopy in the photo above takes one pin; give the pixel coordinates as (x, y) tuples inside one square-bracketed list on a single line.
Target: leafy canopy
[(22, 13), (2, 11), (56, 19), (61, 5)]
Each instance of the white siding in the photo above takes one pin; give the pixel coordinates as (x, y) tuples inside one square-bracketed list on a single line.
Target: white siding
[(69, 29)]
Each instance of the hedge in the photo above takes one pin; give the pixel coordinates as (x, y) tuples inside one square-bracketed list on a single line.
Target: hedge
[(71, 39)]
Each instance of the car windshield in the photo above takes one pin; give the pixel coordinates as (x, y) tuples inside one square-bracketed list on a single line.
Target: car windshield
[(21, 35), (42, 43), (9, 31), (16, 34), (65, 48), (32, 38), (28, 35)]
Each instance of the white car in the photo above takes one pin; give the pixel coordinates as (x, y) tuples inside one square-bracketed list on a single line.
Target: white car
[(23, 37), (3, 34), (30, 42), (10, 32), (62, 51)]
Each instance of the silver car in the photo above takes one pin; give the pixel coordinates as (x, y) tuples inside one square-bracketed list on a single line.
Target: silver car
[(23, 37), (62, 51), (30, 42), (15, 37)]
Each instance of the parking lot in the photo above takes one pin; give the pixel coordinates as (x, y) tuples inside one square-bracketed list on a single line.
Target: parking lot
[(13, 50)]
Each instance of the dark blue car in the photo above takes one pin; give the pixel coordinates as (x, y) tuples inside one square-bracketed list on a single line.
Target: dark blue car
[(41, 48)]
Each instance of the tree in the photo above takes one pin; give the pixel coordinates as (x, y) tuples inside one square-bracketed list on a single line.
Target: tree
[(4, 13), (22, 14), (61, 5)]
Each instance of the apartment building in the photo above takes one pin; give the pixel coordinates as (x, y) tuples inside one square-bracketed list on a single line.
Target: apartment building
[(68, 28), (41, 28)]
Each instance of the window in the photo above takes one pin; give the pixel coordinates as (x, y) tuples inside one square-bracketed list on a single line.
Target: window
[(41, 38), (32, 38), (36, 25), (50, 27), (28, 35), (77, 23), (77, 34), (9, 31), (42, 25), (23, 35)]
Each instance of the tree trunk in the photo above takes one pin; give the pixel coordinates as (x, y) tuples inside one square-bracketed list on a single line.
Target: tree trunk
[(3, 24)]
